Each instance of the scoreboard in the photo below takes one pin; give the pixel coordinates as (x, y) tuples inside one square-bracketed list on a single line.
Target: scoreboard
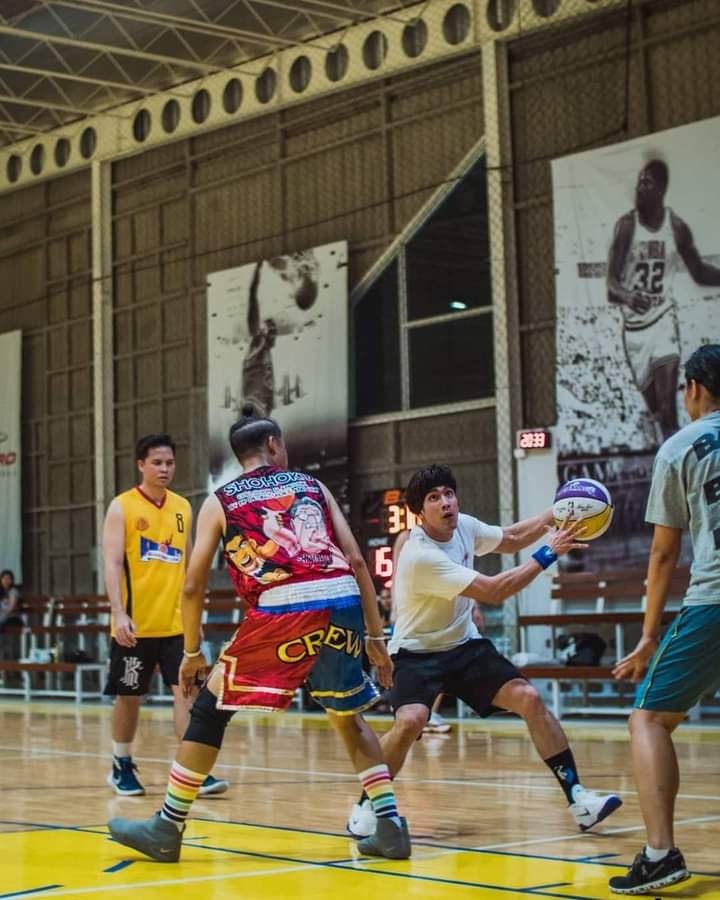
[(384, 516)]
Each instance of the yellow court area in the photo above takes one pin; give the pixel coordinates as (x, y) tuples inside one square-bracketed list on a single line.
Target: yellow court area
[(486, 816), (229, 860)]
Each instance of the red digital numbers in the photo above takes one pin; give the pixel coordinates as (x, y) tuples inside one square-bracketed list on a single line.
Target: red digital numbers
[(533, 440), (382, 562)]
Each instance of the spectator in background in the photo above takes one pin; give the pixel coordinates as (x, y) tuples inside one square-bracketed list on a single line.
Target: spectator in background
[(10, 614)]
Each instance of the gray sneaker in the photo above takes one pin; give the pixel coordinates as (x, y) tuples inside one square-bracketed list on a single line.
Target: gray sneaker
[(389, 840), (155, 837)]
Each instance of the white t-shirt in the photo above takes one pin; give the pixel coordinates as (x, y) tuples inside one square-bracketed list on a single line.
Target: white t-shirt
[(429, 577)]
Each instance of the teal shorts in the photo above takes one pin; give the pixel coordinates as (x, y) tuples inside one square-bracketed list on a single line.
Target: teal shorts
[(686, 664)]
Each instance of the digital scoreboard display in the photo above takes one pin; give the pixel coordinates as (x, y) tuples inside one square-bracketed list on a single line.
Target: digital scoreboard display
[(385, 515), (534, 439)]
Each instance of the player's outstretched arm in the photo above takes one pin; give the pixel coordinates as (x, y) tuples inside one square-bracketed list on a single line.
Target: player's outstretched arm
[(524, 533), (253, 319), (495, 589), (113, 544), (375, 643), (664, 555), (702, 272), (210, 524)]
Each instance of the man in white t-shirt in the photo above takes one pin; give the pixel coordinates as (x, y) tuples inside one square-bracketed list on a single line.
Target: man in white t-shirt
[(437, 647)]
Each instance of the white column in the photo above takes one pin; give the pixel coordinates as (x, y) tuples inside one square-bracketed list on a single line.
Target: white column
[(103, 344), (504, 292)]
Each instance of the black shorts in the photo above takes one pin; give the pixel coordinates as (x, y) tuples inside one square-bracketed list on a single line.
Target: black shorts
[(132, 668), (474, 672)]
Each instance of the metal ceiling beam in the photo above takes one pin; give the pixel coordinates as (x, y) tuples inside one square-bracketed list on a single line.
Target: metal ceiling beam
[(82, 79), (362, 14), (40, 38), (60, 107), (106, 7), (345, 19), (7, 125)]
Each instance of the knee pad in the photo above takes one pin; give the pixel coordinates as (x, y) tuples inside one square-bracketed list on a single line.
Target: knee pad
[(207, 722)]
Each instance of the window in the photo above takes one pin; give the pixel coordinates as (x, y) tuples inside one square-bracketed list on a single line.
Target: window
[(423, 332), (452, 361), (377, 347)]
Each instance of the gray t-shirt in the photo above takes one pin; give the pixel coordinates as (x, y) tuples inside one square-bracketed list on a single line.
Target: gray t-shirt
[(685, 493), (429, 577)]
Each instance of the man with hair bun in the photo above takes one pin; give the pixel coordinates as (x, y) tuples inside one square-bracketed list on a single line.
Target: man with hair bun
[(677, 670), (292, 557), (436, 646)]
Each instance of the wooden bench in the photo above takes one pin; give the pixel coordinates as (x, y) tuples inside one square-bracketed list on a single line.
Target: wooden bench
[(77, 670), (586, 600)]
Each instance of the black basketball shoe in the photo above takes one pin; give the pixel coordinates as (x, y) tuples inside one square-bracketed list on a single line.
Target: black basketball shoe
[(645, 876)]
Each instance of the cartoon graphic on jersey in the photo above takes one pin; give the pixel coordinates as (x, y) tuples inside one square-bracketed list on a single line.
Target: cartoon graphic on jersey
[(279, 528), (161, 552), (305, 536), (253, 560)]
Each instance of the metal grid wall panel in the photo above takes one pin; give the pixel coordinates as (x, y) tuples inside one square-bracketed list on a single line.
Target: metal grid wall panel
[(284, 182), (45, 270), (385, 455), (617, 76)]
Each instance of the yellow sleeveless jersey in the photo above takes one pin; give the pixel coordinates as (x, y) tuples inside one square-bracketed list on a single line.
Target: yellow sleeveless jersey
[(155, 545)]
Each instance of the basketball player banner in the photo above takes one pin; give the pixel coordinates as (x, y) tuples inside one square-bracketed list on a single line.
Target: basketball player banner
[(10, 482), (278, 338), (637, 262)]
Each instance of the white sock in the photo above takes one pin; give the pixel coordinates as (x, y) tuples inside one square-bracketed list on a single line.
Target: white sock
[(655, 855), (121, 749)]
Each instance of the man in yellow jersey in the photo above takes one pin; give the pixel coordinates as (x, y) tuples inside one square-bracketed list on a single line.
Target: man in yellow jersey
[(146, 545)]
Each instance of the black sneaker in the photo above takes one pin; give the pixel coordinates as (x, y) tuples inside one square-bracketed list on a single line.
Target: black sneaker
[(645, 876)]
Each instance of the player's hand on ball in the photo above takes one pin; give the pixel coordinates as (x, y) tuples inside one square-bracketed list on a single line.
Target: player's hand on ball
[(633, 666), (640, 302), (379, 657), (192, 670), (567, 537)]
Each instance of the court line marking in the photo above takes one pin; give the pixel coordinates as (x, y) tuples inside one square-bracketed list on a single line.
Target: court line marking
[(496, 785), (28, 891), (169, 882), (348, 865), (443, 849), (345, 865)]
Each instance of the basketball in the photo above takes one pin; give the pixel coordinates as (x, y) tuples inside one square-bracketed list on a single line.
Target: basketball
[(306, 293), (587, 500)]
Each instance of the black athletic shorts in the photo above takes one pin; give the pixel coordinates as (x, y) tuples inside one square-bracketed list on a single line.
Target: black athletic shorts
[(132, 668), (474, 672)]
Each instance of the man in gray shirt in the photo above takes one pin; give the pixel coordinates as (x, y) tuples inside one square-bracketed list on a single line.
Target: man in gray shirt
[(677, 671)]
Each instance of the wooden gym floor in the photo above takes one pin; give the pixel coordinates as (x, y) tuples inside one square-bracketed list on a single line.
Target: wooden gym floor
[(487, 817)]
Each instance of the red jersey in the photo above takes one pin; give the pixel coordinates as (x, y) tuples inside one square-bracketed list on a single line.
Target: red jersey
[(280, 543)]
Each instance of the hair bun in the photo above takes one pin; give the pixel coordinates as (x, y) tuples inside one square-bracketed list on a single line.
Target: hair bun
[(248, 410)]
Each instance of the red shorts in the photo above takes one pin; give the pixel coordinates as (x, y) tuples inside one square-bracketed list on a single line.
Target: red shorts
[(272, 654)]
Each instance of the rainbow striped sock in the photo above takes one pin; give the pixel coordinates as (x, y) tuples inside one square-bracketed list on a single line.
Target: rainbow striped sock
[(378, 786), (182, 790)]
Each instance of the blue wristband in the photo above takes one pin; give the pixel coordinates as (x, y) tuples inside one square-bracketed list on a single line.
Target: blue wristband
[(544, 556)]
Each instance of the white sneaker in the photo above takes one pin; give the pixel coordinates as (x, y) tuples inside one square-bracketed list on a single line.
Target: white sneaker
[(436, 725), (213, 785), (590, 808), (362, 821)]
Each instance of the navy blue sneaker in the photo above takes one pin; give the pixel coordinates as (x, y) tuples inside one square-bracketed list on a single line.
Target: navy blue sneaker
[(123, 779), (213, 785), (646, 877)]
